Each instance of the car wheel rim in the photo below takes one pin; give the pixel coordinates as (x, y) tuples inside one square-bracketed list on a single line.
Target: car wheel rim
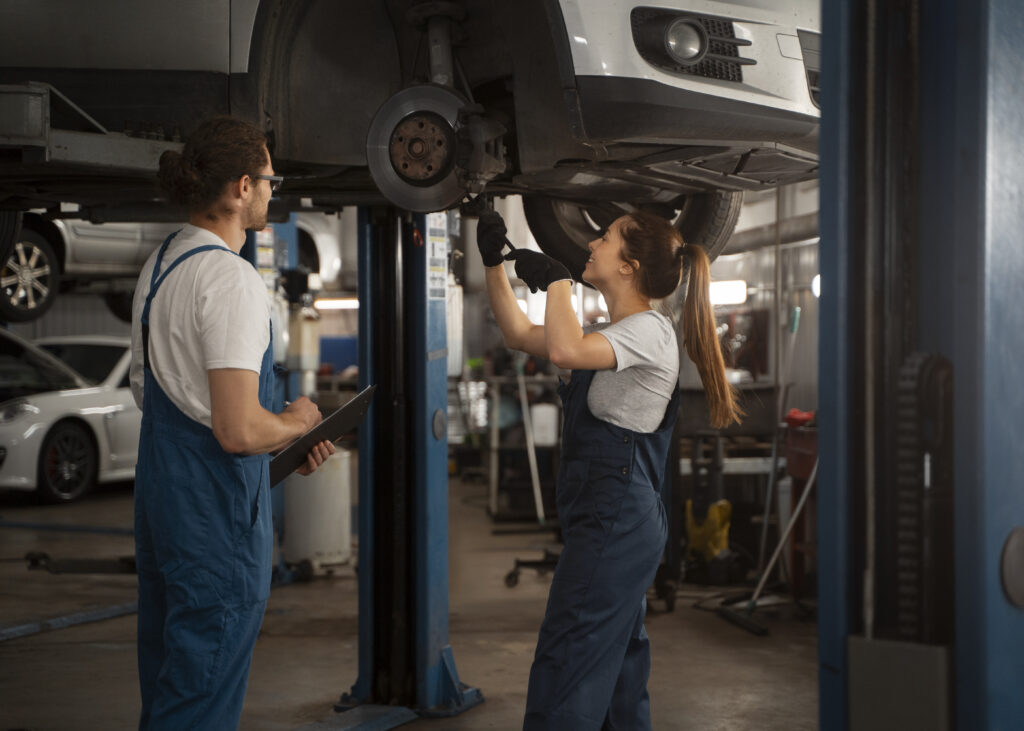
[(26, 277), (67, 464)]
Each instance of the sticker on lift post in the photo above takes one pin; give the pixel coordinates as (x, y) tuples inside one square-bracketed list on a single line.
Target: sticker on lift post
[(437, 255)]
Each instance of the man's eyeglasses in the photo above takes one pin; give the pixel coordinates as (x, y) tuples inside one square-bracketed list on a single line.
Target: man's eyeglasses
[(275, 181)]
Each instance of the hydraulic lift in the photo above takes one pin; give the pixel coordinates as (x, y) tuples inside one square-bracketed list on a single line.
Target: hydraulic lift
[(921, 515), (406, 667)]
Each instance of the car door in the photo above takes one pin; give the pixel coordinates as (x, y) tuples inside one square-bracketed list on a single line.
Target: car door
[(106, 248)]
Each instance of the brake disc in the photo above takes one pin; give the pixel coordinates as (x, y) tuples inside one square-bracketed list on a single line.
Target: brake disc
[(411, 148)]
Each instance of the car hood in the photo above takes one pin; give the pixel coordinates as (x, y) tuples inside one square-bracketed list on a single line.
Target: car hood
[(68, 400), (12, 386), (10, 391)]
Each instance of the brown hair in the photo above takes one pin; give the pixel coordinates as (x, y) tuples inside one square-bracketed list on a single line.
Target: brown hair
[(664, 258), (220, 150)]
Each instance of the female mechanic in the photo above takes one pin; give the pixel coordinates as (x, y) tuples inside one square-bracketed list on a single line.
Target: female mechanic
[(592, 660)]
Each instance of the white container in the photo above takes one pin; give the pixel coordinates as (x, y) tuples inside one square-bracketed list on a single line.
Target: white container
[(318, 515), (544, 418)]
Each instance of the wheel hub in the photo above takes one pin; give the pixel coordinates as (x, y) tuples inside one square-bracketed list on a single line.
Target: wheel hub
[(66, 470), (421, 148)]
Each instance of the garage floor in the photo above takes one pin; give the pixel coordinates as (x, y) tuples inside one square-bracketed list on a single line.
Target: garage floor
[(706, 673)]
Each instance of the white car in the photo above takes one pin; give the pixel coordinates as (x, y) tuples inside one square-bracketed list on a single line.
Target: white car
[(67, 416), (587, 108)]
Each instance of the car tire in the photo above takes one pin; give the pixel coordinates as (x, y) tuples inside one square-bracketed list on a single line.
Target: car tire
[(67, 463), (31, 262), (120, 304), (564, 228)]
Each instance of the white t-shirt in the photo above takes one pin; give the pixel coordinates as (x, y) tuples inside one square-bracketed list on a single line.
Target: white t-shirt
[(212, 311), (635, 394)]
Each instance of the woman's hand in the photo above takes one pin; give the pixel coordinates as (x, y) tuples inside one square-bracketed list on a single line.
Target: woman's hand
[(539, 271), (491, 237)]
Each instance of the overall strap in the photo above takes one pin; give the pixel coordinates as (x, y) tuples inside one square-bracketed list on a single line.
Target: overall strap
[(160, 257), (158, 279)]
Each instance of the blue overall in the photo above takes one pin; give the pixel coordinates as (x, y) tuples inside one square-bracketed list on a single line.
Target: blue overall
[(203, 545), (593, 657)]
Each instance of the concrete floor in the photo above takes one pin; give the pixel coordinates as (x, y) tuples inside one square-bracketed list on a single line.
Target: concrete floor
[(707, 674)]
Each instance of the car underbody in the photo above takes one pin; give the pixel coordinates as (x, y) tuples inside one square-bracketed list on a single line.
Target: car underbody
[(419, 105)]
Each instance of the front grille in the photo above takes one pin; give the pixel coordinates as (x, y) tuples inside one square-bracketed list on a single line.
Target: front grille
[(722, 60)]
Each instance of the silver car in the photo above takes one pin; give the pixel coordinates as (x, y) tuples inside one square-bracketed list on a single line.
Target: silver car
[(71, 254)]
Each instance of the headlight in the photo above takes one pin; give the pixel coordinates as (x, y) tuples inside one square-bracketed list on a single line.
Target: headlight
[(685, 41), (13, 409)]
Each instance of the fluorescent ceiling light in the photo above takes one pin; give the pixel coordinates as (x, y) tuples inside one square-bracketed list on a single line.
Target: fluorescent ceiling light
[(339, 303), (816, 285), (729, 292)]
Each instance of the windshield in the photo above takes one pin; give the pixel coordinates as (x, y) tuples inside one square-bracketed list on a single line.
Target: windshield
[(23, 373), (90, 360)]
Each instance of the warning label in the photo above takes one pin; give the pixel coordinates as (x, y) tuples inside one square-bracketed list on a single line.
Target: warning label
[(437, 255)]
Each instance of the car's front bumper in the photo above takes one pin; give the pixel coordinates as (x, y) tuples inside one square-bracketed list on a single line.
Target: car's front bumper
[(647, 111), (601, 40), (22, 439)]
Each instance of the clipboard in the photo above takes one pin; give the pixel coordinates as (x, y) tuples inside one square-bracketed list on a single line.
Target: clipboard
[(344, 419)]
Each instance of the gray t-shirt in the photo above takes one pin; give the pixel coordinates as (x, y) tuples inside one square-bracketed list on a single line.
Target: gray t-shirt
[(635, 394)]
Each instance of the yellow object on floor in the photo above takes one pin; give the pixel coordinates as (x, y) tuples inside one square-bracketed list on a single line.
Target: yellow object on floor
[(710, 537)]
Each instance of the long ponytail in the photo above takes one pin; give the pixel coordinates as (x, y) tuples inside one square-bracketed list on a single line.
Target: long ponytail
[(664, 259), (701, 340)]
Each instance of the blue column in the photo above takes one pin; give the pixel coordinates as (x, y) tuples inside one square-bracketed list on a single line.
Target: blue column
[(836, 596), (438, 689), (969, 273), (423, 351), (287, 235), (989, 247), (361, 689)]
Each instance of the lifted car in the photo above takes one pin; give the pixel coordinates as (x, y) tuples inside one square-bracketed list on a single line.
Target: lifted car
[(586, 108), (70, 254)]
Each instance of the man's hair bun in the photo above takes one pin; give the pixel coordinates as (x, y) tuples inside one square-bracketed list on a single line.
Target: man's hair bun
[(219, 150), (178, 178)]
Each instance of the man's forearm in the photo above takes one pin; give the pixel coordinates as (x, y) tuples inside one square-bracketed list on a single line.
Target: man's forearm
[(241, 425), (260, 432)]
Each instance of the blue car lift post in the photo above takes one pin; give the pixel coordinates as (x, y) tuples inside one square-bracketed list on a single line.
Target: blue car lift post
[(406, 666), (922, 214)]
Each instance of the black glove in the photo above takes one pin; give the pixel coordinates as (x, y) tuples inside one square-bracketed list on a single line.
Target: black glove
[(537, 270), (491, 237)]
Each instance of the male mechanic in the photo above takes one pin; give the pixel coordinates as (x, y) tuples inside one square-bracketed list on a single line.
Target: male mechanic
[(202, 373)]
